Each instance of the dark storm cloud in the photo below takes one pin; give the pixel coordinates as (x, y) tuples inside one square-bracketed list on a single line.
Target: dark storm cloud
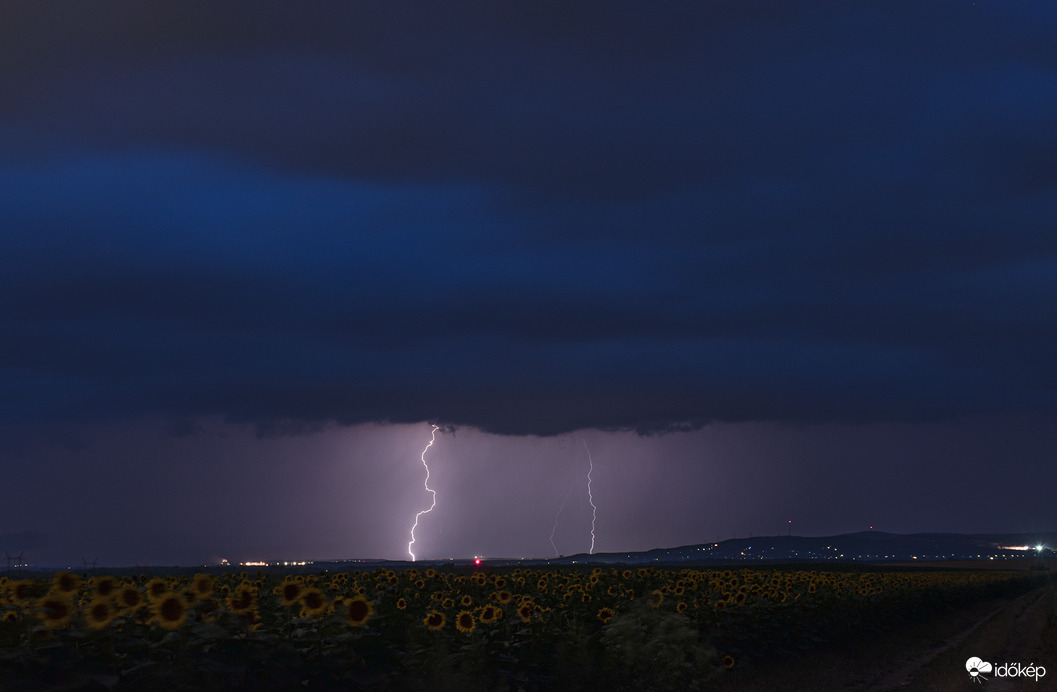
[(530, 219)]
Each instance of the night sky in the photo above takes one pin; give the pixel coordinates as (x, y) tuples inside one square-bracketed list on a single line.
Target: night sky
[(767, 261)]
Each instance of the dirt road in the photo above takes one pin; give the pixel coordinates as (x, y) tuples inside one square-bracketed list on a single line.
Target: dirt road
[(929, 656)]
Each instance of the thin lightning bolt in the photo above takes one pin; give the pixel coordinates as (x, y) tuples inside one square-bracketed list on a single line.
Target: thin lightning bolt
[(432, 438), (564, 499), (590, 497)]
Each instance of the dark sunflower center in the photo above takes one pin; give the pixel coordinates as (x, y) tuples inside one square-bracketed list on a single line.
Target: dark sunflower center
[(171, 609), (357, 611)]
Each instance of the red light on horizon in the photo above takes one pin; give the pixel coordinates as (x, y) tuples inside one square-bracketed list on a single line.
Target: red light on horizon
[(477, 561)]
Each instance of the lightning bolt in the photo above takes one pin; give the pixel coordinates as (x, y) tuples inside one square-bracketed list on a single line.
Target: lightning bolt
[(432, 438), (564, 500), (590, 497)]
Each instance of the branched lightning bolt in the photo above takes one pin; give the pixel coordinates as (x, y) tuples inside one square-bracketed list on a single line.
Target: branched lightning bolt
[(558, 514), (590, 497), (432, 438)]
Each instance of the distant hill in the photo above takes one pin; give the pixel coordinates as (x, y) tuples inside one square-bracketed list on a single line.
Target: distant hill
[(864, 546)]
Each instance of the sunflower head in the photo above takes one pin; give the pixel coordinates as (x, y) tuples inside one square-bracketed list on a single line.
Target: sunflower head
[(65, 582), (56, 610), (656, 598), (357, 611), (313, 602), (99, 613), (156, 588), (290, 592), (243, 600), (489, 614), (464, 622), (434, 620), (203, 584), (606, 614), (129, 598), (728, 661), (104, 587), (170, 610), (22, 589)]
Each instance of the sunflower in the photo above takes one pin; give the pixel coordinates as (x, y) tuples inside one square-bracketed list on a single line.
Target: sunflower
[(728, 661), (56, 610), (11, 616), (447, 604), (203, 584), (401, 604), (65, 583), (313, 602), (156, 588), (464, 622), (243, 600), (606, 614), (104, 586), (502, 597), (434, 620), (99, 613), (466, 601), (289, 592), (489, 614), (129, 598), (357, 611), (681, 607), (656, 598), (22, 589), (525, 610), (170, 610)]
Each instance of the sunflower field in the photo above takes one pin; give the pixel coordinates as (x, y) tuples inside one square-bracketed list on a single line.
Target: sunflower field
[(519, 628)]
